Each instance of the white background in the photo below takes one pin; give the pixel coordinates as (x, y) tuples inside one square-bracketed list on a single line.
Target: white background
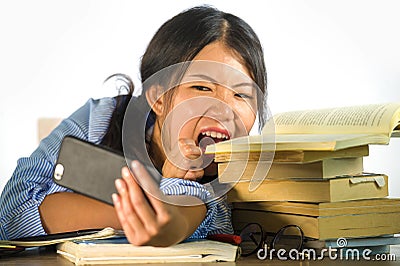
[(54, 55)]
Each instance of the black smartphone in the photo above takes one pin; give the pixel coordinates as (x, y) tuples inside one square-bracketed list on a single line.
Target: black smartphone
[(91, 169)]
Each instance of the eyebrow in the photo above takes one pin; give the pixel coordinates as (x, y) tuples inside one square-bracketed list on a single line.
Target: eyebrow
[(202, 76)]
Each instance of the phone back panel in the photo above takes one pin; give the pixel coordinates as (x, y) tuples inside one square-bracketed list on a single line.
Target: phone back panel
[(88, 169)]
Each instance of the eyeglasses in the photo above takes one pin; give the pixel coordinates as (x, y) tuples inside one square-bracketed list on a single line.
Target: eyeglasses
[(253, 239)]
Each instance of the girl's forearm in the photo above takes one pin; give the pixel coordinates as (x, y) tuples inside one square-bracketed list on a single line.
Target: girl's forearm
[(65, 211), (193, 215), (183, 220)]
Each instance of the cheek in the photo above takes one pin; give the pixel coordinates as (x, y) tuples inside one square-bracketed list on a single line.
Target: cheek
[(247, 116), (249, 122), (186, 130)]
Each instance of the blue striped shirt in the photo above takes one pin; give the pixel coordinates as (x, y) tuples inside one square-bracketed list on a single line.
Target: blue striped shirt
[(32, 180)]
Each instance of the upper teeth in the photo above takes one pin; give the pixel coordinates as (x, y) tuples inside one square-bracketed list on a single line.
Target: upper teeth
[(214, 134)]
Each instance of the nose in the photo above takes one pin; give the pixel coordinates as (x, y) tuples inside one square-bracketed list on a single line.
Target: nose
[(220, 110), (223, 94)]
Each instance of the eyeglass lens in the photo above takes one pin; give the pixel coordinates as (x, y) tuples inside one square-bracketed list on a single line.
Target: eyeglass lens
[(288, 237), (252, 238)]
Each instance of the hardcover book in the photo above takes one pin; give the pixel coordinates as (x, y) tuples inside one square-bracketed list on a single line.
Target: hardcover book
[(260, 170), (312, 190), (366, 220)]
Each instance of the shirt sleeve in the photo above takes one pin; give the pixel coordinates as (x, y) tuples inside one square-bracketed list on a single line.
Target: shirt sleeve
[(32, 180), (218, 216)]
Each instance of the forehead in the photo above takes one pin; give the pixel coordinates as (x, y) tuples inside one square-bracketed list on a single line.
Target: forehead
[(218, 52), (218, 64)]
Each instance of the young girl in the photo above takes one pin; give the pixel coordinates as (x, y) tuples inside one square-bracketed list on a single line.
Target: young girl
[(176, 125)]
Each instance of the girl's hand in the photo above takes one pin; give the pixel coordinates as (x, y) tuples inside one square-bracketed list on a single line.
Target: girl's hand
[(184, 157), (145, 216)]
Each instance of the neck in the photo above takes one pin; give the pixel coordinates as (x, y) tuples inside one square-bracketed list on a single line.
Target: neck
[(155, 149)]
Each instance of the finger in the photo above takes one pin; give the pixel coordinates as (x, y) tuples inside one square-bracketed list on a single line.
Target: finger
[(128, 214), (194, 175), (150, 187), (189, 148), (143, 209), (170, 170), (144, 179), (191, 164), (186, 141), (184, 156), (126, 226), (191, 172)]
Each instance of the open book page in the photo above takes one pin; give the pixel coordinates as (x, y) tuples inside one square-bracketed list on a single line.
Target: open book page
[(321, 129), (363, 119)]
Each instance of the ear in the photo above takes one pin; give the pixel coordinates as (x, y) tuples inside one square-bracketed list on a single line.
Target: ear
[(155, 100)]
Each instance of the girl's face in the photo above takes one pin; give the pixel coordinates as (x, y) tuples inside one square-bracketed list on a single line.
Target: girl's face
[(215, 101), (220, 96)]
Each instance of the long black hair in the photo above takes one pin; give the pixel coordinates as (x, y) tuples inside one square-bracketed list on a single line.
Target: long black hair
[(180, 39)]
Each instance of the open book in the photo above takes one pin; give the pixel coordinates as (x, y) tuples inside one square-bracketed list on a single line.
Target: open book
[(51, 239), (321, 129), (10, 247), (119, 251)]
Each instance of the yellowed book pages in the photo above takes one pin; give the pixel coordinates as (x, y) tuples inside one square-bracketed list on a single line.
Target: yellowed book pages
[(323, 227), (292, 156), (312, 190), (109, 253), (296, 142), (258, 171), (323, 129), (363, 119), (379, 205)]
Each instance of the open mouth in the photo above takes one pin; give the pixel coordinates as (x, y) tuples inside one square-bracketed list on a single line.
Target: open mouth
[(208, 137)]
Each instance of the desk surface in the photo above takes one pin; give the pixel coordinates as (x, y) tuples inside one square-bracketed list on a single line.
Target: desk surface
[(48, 256)]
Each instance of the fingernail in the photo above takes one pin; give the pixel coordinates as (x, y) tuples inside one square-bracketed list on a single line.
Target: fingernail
[(134, 164), (125, 172), (186, 141), (115, 199), (195, 149), (119, 185)]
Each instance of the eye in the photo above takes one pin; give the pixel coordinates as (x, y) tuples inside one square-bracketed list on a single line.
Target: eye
[(201, 88), (243, 96)]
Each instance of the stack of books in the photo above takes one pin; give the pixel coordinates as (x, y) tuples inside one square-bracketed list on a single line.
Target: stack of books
[(310, 173)]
